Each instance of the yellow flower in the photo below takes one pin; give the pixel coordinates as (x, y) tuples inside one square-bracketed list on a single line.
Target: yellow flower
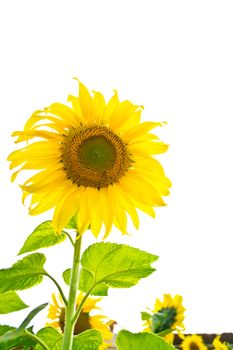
[(167, 314), (218, 345), (86, 321), (193, 342), (93, 161), (169, 338)]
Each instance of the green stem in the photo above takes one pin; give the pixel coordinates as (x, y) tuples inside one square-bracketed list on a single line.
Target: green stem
[(70, 238), (37, 339), (71, 306), (58, 287), (80, 306)]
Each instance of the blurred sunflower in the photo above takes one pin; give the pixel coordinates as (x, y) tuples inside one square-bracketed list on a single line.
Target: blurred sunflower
[(218, 345), (94, 161), (193, 342), (168, 314), (86, 321)]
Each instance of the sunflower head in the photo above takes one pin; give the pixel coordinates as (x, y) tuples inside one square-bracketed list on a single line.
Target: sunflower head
[(86, 319), (218, 345), (168, 314), (193, 342), (93, 160)]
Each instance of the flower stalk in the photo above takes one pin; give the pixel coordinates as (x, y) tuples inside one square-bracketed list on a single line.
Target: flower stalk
[(71, 306), (36, 339)]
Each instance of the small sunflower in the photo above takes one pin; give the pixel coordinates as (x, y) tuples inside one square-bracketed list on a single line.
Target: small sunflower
[(218, 345), (167, 314), (193, 342), (93, 161), (86, 321)]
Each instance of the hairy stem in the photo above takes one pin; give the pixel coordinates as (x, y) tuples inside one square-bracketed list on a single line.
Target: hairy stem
[(71, 306)]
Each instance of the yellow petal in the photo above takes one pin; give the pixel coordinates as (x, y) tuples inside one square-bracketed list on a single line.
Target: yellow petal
[(106, 211), (98, 106), (129, 123), (121, 114), (86, 103), (94, 210), (66, 209), (111, 106), (83, 217), (147, 147), (140, 129), (65, 113), (27, 135), (119, 215), (127, 204)]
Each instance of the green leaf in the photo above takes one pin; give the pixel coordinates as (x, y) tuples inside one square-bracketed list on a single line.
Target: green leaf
[(100, 290), (42, 237), (66, 276), (88, 340), (141, 341), (31, 315), (51, 337), (23, 274), (145, 316), (5, 328), (17, 337), (10, 302), (16, 340), (115, 265)]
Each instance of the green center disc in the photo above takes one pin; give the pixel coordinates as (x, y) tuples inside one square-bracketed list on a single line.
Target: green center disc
[(97, 153)]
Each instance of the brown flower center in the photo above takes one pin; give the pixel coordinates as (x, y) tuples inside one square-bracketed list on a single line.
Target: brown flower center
[(81, 325), (94, 156), (193, 346)]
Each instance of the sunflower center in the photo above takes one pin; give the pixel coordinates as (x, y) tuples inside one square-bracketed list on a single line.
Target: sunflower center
[(81, 325), (94, 156), (164, 319), (193, 346), (97, 153)]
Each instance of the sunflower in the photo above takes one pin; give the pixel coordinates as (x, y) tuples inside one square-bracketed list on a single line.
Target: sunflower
[(193, 342), (218, 345), (86, 321), (93, 161), (167, 314)]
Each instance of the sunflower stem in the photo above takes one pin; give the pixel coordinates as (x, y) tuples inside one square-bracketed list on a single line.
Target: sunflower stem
[(36, 339), (71, 306), (80, 306), (58, 287), (70, 238)]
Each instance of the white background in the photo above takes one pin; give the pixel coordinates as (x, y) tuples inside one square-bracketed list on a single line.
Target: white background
[(175, 58)]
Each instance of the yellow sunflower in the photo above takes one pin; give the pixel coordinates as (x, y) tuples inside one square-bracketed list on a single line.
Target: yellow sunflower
[(167, 314), (218, 345), (86, 321), (193, 342), (93, 161)]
